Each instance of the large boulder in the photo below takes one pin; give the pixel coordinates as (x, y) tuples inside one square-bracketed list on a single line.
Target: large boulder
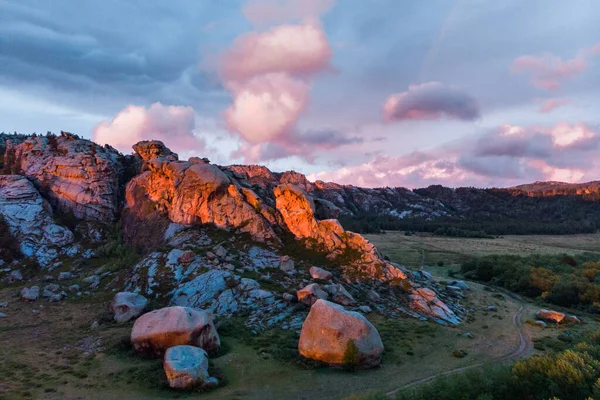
[(186, 367), (550, 316), (154, 332), (310, 294), (328, 329), (127, 305), (76, 175), (29, 218)]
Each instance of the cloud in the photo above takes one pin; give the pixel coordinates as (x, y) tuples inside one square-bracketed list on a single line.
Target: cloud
[(269, 74), (277, 11), (297, 50), (552, 104), (431, 100), (549, 71), (174, 125), (505, 156), (304, 145)]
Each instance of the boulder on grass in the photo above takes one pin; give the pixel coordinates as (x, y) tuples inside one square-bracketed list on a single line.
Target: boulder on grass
[(329, 328), (186, 367), (320, 274), (551, 316), (127, 305), (310, 294), (30, 294), (155, 332), (572, 319), (286, 264)]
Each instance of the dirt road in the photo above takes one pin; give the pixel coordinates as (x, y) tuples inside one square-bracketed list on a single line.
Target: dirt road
[(521, 351)]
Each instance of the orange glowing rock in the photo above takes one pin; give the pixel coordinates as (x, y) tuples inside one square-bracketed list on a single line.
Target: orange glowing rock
[(328, 329)]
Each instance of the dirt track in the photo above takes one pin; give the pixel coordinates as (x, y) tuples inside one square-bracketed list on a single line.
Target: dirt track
[(522, 350)]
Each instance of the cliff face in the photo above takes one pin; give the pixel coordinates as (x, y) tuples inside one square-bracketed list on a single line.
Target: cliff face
[(76, 175), (29, 218)]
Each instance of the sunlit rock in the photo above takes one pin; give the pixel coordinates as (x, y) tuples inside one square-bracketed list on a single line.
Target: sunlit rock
[(154, 332), (328, 329)]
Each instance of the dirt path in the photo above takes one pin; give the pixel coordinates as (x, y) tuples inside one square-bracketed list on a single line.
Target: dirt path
[(519, 352)]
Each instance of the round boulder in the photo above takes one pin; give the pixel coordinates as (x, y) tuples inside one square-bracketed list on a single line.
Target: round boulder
[(154, 332), (186, 367), (127, 305), (328, 329)]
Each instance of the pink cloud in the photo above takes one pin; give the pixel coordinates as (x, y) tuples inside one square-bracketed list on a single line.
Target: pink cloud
[(552, 104), (269, 75), (549, 71), (506, 156), (298, 50), (277, 11), (431, 100), (174, 125)]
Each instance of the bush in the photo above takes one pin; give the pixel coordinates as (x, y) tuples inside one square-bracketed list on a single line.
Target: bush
[(351, 359)]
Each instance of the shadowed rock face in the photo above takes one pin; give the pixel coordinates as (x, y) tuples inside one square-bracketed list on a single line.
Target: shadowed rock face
[(328, 329), (76, 175), (29, 217)]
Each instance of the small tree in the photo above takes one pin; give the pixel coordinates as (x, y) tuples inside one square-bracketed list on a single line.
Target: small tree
[(351, 359)]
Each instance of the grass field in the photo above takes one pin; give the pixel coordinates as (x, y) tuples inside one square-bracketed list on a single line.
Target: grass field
[(425, 249)]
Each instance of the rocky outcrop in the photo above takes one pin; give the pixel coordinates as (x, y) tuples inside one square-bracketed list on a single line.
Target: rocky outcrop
[(328, 329), (362, 261), (76, 175), (151, 149), (154, 332), (192, 193), (550, 316), (186, 367), (127, 305), (29, 217), (426, 301)]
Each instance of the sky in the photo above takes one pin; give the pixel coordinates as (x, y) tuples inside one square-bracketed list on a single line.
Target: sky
[(365, 92)]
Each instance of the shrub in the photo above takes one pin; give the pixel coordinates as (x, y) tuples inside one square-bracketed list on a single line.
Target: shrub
[(351, 359)]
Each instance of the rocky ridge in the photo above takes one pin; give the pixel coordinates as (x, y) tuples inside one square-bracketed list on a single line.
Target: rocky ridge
[(249, 274)]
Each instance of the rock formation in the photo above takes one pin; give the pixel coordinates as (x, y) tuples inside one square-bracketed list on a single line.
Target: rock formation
[(76, 175), (29, 218), (328, 329), (199, 193), (550, 316), (361, 259), (154, 332)]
